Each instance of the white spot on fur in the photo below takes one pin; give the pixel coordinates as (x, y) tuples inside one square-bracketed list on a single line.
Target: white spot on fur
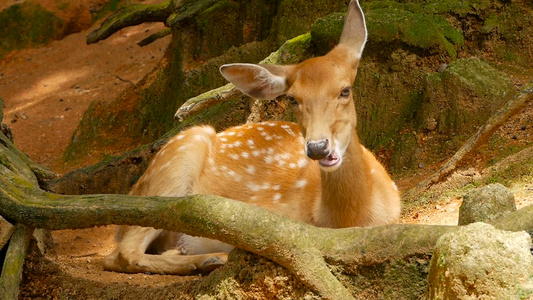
[(276, 187), (302, 162), (288, 129), (253, 187), (224, 139), (209, 130), (245, 154), (372, 171), (268, 159), (285, 156), (235, 176), (394, 185), (237, 144), (182, 148), (292, 165), (260, 128), (250, 142), (231, 133), (277, 197), (250, 169), (179, 137), (201, 138), (234, 156), (300, 183), (256, 153)]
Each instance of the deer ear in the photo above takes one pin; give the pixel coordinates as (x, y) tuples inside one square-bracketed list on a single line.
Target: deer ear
[(262, 82), (354, 33)]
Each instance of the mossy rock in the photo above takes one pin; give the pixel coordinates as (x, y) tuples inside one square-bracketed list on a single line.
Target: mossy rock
[(423, 31), (460, 100), (391, 22), (25, 25), (481, 262), (467, 92)]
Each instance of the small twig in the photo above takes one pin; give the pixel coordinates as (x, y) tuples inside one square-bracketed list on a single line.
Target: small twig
[(84, 255), (124, 80)]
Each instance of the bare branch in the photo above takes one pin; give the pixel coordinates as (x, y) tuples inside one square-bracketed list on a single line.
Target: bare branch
[(206, 100), (154, 37), (130, 16), (291, 51)]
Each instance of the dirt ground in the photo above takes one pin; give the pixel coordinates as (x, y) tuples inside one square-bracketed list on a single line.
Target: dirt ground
[(46, 91)]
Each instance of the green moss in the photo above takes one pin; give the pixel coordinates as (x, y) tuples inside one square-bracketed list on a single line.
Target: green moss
[(425, 31), (25, 25), (480, 76), (326, 31)]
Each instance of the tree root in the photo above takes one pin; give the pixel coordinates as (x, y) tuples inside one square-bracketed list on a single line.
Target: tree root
[(14, 261), (288, 242), (130, 16), (170, 12)]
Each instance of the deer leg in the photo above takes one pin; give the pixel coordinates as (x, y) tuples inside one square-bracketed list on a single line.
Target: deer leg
[(130, 256)]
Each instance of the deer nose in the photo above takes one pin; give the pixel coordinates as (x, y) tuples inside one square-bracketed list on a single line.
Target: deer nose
[(317, 149)]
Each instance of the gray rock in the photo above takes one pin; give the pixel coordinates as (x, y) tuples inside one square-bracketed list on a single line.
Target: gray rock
[(481, 262), (485, 204)]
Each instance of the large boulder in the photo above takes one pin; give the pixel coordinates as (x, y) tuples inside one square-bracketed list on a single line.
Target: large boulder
[(481, 262)]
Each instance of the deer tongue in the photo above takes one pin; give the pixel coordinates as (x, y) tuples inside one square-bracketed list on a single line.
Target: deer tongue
[(330, 160)]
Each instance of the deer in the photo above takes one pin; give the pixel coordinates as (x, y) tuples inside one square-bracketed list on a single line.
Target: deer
[(316, 171)]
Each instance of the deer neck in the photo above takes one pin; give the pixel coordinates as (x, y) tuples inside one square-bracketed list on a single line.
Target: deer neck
[(346, 191)]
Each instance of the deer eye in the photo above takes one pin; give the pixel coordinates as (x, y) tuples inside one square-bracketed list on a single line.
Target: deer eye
[(345, 92), (291, 99)]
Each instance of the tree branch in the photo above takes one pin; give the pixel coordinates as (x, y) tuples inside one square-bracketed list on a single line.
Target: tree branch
[(130, 16), (154, 37), (291, 51)]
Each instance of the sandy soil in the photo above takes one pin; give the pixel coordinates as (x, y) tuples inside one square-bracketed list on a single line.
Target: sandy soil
[(47, 90)]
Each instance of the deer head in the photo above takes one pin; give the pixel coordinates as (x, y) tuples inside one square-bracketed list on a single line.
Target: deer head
[(320, 90)]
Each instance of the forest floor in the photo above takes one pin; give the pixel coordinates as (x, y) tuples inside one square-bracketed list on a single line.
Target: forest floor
[(46, 90)]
